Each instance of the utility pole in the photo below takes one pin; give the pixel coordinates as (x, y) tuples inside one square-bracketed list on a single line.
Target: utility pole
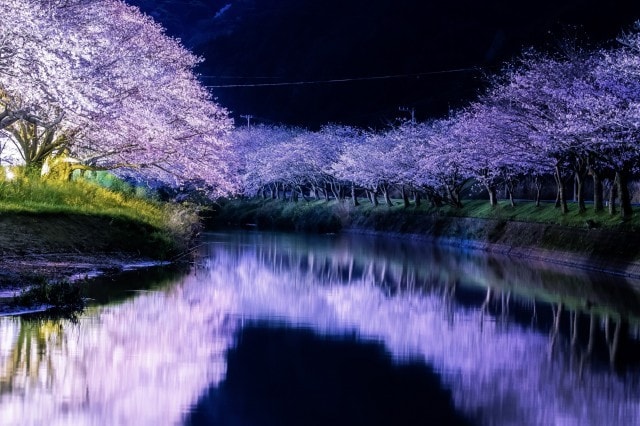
[(412, 111), (248, 117)]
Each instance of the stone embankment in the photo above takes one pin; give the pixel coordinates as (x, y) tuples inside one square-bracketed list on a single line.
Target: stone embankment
[(604, 250)]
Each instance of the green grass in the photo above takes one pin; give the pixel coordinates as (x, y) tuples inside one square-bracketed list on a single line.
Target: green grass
[(277, 214), (524, 211), (159, 229), (527, 211), (314, 216), (77, 197)]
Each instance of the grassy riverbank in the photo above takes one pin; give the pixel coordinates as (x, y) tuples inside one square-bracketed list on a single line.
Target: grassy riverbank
[(587, 239), (322, 216), (52, 225)]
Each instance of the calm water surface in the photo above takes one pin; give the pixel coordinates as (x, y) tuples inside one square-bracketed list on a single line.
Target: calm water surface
[(272, 329)]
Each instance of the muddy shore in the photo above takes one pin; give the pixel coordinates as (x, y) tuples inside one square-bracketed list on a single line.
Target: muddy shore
[(57, 247)]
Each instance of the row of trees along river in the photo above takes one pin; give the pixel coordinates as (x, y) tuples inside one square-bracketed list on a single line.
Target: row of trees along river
[(546, 119), (98, 85)]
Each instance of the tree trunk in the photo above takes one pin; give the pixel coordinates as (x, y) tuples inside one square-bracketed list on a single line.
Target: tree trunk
[(579, 192), (509, 187), (561, 200), (335, 190), (374, 198), (612, 197), (454, 197), (598, 204), (511, 200), (436, 200), (353, 195), (626, 212), (405, 197), (538, 186), (385, 194), (417, 199), (493, 195)]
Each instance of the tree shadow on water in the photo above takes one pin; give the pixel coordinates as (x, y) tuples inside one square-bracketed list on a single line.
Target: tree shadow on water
[(281, 376)]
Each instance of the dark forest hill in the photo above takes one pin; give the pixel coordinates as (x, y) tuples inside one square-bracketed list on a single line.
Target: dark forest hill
[(251, 41)]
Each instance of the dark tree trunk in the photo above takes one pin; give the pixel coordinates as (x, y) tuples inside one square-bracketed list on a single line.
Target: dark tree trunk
[(336, 191), (612, 197), (304, 196), (374, 198), (436, 200), (387, 199), (626, 212), (579, 192), (538, 187), (405, 197), (354, 196), (598, 204), (454, 197), (509, 186), (417, 199), (493, 195), (511, 200), (561, 201)]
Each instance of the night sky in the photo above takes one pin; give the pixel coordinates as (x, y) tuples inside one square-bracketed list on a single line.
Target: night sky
[(437, 52)]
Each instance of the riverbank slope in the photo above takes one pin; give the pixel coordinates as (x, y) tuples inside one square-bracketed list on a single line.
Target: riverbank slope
[(588, 240), (61, 246)]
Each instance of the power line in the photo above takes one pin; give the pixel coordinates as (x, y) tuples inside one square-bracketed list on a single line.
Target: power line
[(239, 77), (345, 80)]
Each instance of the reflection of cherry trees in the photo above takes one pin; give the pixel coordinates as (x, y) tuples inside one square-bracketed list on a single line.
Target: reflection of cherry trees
[(137, 363), (148, 359)]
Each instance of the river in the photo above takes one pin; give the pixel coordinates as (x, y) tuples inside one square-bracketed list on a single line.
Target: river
[(276, 329)]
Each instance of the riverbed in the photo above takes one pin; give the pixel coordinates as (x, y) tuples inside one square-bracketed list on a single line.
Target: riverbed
[(276, 329)]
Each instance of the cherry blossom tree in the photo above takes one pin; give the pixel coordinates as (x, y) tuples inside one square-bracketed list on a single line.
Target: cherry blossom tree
[(268, 159), (99, 82), (354, 164), (537, 96), (332, 141), (442, 167), (611, 107)]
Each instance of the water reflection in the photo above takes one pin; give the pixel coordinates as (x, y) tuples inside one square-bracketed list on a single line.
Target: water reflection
[(511, 342)]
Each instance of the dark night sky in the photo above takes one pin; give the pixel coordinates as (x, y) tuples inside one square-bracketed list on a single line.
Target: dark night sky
[(275, 41)]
